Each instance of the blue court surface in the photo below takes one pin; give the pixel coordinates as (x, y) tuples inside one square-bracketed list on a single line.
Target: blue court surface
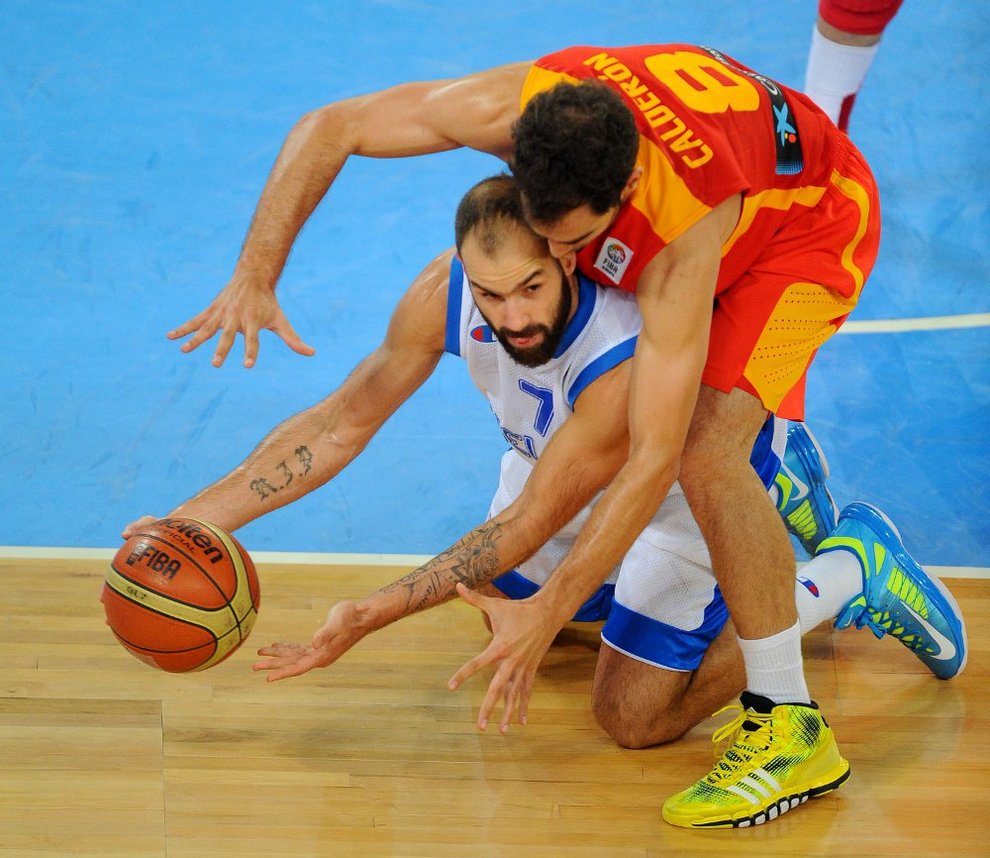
[(135, 139)]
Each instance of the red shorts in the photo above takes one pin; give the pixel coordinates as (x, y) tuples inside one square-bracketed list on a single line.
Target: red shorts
[(768, 325)]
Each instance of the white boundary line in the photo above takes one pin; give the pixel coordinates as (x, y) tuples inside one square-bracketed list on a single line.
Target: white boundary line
[(298, 558), (304, 558), (926, 323)]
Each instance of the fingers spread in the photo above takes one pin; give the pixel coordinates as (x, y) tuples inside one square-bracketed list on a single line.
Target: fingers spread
[(187, 327), (470, 668)]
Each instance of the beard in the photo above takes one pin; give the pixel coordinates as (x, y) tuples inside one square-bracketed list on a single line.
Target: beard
[(543, 351)]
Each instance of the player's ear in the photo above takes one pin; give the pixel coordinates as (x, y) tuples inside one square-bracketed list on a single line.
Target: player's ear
[(568, 262), (631, 184)]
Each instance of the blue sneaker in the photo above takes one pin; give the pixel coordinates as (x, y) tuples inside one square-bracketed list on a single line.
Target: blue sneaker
[(899, 598), (803, 498)]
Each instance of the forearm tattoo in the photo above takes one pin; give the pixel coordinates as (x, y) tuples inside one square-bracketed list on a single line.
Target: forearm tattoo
[(285, 472), (472, 561)]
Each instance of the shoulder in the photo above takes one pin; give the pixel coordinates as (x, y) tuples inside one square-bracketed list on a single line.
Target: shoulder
[(421, 314), (429, 289)]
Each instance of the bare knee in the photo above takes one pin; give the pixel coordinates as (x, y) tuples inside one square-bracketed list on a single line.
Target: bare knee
[(639, 704), (636, 729)]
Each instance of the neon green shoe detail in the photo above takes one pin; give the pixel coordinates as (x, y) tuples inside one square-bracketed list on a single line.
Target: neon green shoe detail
[(899, 598)]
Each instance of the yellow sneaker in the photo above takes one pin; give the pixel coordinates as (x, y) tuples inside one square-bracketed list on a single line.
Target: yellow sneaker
[(779, 756)]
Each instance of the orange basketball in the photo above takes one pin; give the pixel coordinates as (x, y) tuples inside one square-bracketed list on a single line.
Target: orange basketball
[(181, 594)]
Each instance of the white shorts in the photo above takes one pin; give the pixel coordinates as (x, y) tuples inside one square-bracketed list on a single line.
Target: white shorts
[(661, 605)]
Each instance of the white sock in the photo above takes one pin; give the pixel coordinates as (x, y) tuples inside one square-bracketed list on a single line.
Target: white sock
[(774, 666), (835, 72), (825, 585)]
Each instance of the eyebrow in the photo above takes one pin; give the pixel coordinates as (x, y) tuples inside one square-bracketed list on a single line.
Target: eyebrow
[(525, 282)]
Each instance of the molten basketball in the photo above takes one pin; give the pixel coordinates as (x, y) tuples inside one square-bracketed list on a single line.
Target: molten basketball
[(181, 594)]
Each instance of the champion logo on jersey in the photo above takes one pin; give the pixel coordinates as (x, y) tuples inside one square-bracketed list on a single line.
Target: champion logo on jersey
[(482, 334), (811, 586), (614, 259)]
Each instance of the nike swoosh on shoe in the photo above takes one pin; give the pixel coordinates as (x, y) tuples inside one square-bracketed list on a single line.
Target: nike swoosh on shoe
[(947, 649)]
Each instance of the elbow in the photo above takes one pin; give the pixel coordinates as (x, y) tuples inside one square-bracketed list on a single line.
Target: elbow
[(329, 122), (655, 469)]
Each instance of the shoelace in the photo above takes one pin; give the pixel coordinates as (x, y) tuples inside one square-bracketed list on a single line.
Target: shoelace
[(874, 620), (864, 616), (881, 622), (738, 748), (727, 730)]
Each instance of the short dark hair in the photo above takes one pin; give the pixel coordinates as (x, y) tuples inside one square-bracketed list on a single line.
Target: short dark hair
[(491, 210), (575, 144)]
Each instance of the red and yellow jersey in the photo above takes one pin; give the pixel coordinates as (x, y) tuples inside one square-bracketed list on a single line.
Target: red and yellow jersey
[(709, 128)]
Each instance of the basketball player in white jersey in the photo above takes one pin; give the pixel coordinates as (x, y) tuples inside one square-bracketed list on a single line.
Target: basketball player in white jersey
[(550, 351)]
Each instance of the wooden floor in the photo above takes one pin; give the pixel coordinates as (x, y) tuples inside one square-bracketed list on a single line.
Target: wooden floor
[(101, 755)]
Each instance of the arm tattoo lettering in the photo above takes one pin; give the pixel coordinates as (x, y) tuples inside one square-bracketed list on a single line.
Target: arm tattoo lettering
[(264, 488), (473, 561), (305, 458)]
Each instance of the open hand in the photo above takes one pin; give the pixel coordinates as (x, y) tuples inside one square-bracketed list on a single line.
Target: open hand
[(342, 630), (522, 632), (244, 306)]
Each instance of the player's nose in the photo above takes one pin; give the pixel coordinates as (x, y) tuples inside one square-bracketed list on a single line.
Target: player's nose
[(517, 315)]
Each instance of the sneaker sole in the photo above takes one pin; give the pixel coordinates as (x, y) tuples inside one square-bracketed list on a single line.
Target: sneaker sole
[(771, 809), (888, 531)]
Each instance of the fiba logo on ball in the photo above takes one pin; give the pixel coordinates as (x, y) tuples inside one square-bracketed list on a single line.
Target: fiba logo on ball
[(181, 595)]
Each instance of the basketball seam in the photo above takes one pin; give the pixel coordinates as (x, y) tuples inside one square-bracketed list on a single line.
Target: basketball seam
[(237, 558)]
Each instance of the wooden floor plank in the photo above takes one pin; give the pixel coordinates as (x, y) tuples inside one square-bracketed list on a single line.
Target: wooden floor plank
[(102, 755)]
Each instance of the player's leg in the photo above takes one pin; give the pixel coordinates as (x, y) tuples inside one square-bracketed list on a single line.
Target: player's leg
[(844, 44), (640, 701), (862, 575), (669, 658), (750, 551), (665, 663), (783, 751), (766, 330), (640, 704)]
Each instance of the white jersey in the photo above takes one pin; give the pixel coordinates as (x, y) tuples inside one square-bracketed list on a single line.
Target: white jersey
[(531, 403), (661, 602)]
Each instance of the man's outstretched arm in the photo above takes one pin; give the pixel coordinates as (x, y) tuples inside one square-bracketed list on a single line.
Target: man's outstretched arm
[(580, 459), (476, 111), (313, 446)]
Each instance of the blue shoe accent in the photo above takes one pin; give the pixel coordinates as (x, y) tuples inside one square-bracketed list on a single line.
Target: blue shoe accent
[(899, 598), (803, 498)]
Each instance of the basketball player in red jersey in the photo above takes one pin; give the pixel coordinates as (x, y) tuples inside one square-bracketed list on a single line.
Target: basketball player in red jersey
[(746, 224)]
